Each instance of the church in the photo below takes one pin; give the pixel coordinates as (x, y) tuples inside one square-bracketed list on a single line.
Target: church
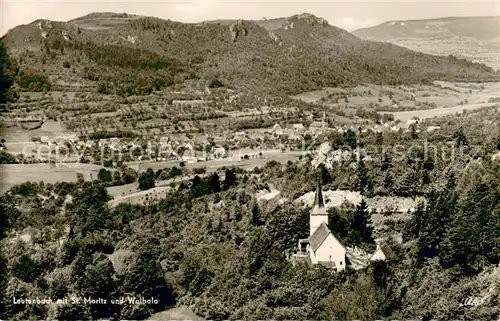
[(322, 246)]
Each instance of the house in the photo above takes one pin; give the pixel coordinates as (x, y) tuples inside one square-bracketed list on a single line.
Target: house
[(239, 135), (189, 146), (220, 152), (103, 142), (322, 246), (114, 140), (382, 252), (44, 139), (277, 130), (189, 159), (291, 134), (201, 140), (325, 248), (298, 128), (316, 125)]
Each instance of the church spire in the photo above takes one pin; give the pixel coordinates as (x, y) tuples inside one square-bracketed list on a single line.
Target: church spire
[(318, 198)]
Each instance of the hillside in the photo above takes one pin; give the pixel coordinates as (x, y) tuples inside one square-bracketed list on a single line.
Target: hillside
[(212, 248), (128, 54), (474, 38)]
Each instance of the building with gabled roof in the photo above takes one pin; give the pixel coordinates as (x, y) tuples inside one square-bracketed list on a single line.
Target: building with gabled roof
[(322, 246), (277, 130), (325, 248), (382, 253)]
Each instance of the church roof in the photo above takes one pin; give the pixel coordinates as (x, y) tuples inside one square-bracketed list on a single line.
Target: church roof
[(386, 249), (320, 235)]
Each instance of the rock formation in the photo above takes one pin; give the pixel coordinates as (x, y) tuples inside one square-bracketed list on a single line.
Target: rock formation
[(237, 30)]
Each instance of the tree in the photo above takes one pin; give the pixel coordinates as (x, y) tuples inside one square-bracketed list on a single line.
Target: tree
[(215, 83), (174, 172), (128, 175), (325, 176), (89, 212), (6, 74), (104, 175), (117, 176), (27, 269), (363, 180), (214, 183), (97, 281), (350, 139), (339, 222), (460, 138), (386, 162), (80, 179), (147, 179), (256, 216), (3, 279), (413, 132), (145, 279), (362, 222), (230, 178), (471, 237)]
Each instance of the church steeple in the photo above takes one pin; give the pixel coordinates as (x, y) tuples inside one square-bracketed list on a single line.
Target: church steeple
[(319, 213), (318, 198)]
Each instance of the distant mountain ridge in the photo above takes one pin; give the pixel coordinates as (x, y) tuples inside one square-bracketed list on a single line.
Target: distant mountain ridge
[(129, 54), (473, 38), (486, 27)]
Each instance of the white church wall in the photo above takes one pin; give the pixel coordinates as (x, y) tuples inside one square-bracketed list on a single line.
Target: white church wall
[(330, 251)]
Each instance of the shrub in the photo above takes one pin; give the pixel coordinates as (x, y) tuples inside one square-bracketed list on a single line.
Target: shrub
[(215, 83), (27, 269), (33, 81)]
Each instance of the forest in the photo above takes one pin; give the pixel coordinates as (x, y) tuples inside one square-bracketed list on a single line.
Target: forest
[(210, 245)]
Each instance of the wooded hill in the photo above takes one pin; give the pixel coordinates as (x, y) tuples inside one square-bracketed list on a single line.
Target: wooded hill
[(126, 54)]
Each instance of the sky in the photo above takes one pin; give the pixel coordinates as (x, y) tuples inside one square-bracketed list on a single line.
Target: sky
[(347, 15)]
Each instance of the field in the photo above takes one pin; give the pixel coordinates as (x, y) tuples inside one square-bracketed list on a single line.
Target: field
[(12, 174), (142, 197), (431, 113), (404, 102)]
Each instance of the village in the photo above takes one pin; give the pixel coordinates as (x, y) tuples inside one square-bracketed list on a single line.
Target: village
[(189, 148)]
